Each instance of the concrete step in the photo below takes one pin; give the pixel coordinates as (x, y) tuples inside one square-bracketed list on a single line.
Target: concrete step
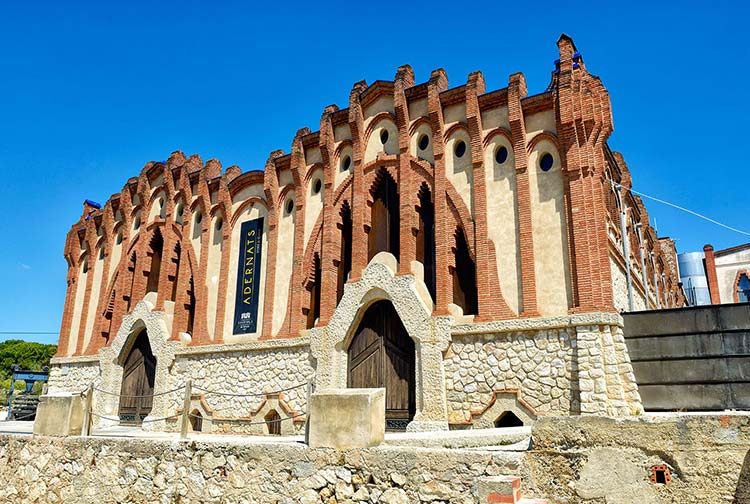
[(518, 438)]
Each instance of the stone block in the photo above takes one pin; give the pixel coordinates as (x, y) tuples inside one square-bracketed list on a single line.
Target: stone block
[(347, 418), (59, 415), (499, 489)]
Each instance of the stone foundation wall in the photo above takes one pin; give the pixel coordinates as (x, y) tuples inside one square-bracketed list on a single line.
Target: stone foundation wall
[(586, 460), (71, 374), (252, 372), (536, 363)]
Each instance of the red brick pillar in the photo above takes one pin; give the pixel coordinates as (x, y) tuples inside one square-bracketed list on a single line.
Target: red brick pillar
[(359, 199), (491, 303), (408, 220), (443, 234), (713, 281), (516, 91), (329, 273)]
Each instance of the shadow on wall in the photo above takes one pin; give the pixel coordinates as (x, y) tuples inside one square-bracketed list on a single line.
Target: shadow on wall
[(742, 493)]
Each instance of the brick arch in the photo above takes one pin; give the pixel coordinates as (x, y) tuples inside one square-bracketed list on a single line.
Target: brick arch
[(450, 132), (736, 284), (247, 204), (375, 121), (499, 131), (539, 137)]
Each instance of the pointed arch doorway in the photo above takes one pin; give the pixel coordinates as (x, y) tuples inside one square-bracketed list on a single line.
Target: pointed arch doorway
[(138, 377), (381, 355)]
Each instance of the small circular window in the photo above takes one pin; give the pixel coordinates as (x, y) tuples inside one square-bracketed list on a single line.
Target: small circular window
[(346, 163), (101, 254), (198, 218), (180, 210), (119, 238), (383, 136), (460, 148), (161, 203), (219, 224), (424, 142), (546, 162), (137, 223), (501, 155), (289, 207), (317, 186)]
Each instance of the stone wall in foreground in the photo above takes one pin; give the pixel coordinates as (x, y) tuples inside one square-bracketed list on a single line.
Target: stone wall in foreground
[(587, 460)]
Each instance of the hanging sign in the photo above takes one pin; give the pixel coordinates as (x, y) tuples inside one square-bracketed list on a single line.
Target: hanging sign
[(248, 277)]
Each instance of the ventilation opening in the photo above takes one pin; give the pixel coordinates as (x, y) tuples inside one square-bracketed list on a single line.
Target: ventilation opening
[(660, 475), (508, 419), (273, 422), (196, 420)]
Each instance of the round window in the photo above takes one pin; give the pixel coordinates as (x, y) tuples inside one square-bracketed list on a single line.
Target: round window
[(460, 148), (180, 210), (317, 186), (198, 218), (546, 161), (383, 136), (289, 206), (219, 224), (424, 142), (501, 155), (137, 223), (119, 238), (346, 163)]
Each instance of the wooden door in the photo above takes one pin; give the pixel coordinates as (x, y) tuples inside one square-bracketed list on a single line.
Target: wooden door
[(139, 372), (382, 355)]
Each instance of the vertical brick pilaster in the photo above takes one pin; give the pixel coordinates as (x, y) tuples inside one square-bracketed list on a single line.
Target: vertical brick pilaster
[(359, 203), (92, 259), (408, 219), (329, 273), (444, 283), (271, 189), (713, 281), (516, 91), (296, 288), (491, 303)]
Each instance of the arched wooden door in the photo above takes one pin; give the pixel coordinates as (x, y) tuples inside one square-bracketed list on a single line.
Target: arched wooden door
[(381, 354), (139, 372)]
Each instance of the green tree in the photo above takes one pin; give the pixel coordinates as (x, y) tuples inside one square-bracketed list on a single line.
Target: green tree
[(29, 356)]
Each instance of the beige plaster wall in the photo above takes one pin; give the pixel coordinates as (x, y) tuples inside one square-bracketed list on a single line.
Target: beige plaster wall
[(454, 114), (284, 263), (158, 207), (551, 262), (314, 204), (495, 118), (342, 132), (502, 215), (254, 211), (375, 146), (116, 255), (213, 272), (426, 154), (93, 299), (195, 233), (541, 121), (342, 174), (77, 308), (382, 104), (417, 109), (255, 190), (313, 156), (459, 170)]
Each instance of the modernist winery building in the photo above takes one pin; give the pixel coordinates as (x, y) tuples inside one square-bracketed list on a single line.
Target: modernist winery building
[(467, 249)]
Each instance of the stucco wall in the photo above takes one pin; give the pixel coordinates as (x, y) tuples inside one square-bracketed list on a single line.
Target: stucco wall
[(727, 267)]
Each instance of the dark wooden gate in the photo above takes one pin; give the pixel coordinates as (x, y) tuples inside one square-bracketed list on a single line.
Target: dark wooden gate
[(139, 371), (382, 355)]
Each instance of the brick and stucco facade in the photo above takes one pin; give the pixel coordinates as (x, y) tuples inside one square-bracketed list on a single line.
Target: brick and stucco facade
[(518, 188)]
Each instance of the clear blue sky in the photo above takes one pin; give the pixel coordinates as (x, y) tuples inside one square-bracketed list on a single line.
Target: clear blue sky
[(91, 91)]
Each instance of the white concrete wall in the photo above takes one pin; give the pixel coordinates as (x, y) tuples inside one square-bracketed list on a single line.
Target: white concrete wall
[(374, 143), (96, 285), (78, 306)]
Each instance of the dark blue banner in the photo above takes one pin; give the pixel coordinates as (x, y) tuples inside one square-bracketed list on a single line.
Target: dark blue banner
[(248, 277)]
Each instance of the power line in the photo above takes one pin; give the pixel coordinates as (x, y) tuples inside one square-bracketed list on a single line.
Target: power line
[(709, 219), (28, 332)]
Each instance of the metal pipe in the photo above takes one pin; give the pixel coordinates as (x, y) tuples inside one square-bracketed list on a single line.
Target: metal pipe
[(639, 229), (656, 281), (625, 244)]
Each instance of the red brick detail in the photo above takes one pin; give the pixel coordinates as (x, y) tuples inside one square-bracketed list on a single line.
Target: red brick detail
[(713, 281)]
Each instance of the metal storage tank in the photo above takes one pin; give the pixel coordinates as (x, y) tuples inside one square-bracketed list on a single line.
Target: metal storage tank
[(693, 276)]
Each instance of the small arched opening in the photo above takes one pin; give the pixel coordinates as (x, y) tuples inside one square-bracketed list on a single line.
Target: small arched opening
[(345, 262), (273, 422), (464, 276), (508, 419), (384, 217), (196, 420)]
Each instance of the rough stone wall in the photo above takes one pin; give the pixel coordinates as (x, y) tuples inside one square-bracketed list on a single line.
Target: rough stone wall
[(71, 376), (80, 470), (537, 363), (251, 372), (586, 460)]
